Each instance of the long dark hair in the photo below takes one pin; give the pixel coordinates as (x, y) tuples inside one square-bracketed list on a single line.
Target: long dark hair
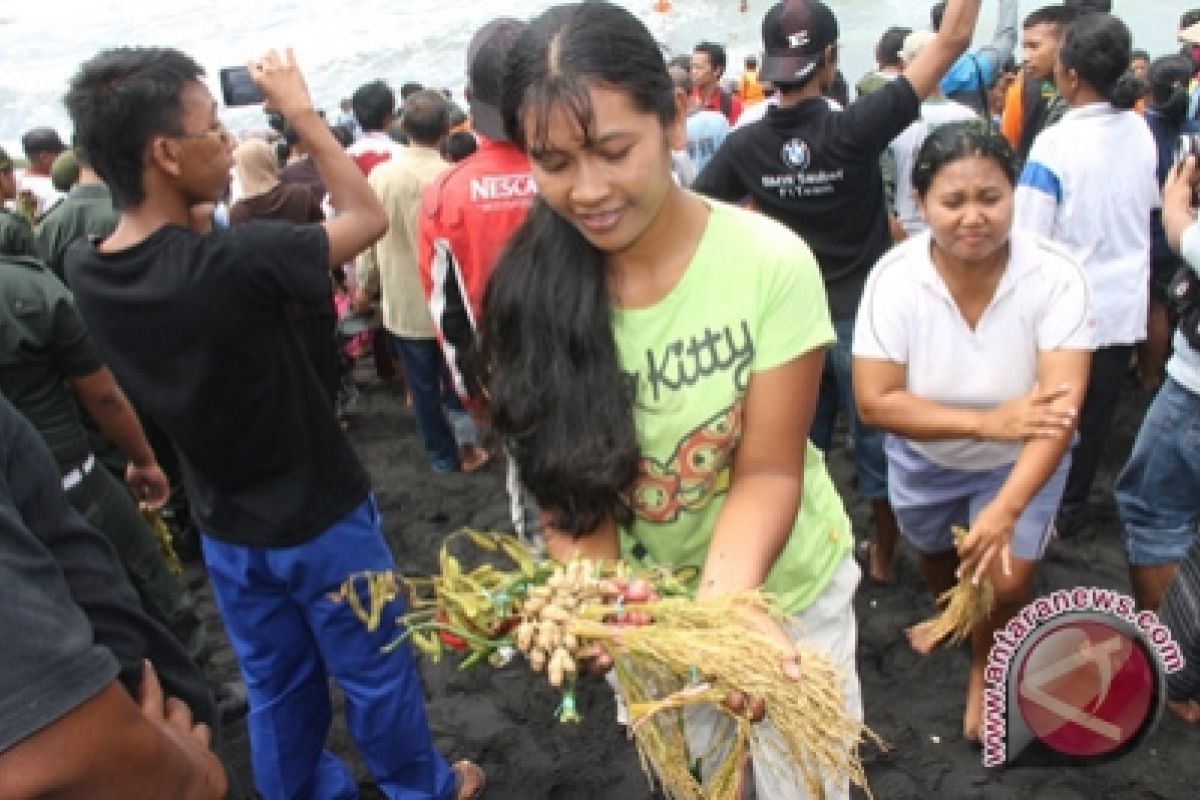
[(1099, 48), (556, 391), (1169, 77)]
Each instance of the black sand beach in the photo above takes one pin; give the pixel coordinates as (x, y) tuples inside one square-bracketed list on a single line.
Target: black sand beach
[(504, 719)]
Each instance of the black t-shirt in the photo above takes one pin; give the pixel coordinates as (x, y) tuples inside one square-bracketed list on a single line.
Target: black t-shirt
[(195, 330), (817, 171)]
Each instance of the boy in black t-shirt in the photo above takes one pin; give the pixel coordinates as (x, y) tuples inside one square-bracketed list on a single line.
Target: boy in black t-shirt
[(817, 171), (195, 330)]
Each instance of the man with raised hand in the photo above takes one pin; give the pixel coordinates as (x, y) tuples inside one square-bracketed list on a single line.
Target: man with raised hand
[(817, 171), (194, 328)]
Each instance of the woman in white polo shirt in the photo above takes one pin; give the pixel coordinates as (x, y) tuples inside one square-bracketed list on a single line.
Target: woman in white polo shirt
[(971, 350)]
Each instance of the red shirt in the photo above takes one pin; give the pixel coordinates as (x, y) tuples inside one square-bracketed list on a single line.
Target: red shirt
[(467, 216), (713, 103), (372, 149)]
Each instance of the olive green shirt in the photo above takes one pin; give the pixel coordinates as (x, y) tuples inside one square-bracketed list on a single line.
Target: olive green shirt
[(43, 344), (16, 237), (86, 211)]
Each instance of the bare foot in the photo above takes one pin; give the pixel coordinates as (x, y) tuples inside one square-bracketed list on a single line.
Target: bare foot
[(472, 457), (922, 637), (973, 716), (1187, 710), (469, 779)]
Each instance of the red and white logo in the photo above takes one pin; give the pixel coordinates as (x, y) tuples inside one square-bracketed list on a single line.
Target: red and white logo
[(1086, 688)]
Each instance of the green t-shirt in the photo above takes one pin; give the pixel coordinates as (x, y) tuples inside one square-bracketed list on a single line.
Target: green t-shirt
[(86, 211), (751, 299)]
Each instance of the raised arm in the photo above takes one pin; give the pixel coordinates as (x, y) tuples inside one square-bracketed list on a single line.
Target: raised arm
[(1004, 39), (360, 219), (953, 39)]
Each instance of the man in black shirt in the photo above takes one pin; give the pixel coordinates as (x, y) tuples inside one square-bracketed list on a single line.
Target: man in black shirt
[(195, 330), (817, 171)]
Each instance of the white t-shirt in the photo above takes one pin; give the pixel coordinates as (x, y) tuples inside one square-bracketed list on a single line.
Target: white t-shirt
[(42, 187), (907, 316), (935, 113), (1091, 184)]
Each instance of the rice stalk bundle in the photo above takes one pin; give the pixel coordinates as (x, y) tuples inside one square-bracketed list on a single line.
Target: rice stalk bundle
[(964, 606), (166, 543), (676, 660)]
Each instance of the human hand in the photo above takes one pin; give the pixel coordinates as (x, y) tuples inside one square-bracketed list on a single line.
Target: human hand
[(149, 485), (1041, 414), (361, 301), (282, 83), (990, 536), (759, 621), (1179, 189), (1179, 200), (174, 719)]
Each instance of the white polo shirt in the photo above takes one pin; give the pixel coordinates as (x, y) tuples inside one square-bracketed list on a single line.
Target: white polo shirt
[(1090, 183), (907, 316)]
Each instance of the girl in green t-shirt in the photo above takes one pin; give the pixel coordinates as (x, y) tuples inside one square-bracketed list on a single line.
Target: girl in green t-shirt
[(652, 360)]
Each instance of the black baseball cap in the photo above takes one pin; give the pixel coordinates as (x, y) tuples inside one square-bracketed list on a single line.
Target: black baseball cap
[(795, 34), (485, 73), (42, 140)]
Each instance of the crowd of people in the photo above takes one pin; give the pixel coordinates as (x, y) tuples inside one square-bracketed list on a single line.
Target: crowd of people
[(643, 290)]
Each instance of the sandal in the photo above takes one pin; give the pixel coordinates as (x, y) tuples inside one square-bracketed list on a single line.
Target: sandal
[(469, 780)]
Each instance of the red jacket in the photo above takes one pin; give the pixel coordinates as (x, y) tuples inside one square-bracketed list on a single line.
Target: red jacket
[(467, 216)]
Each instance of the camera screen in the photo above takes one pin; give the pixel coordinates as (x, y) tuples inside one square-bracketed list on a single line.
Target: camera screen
[(238, 88)]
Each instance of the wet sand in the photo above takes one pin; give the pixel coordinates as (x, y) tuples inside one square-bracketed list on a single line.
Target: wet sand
[(505, 719)]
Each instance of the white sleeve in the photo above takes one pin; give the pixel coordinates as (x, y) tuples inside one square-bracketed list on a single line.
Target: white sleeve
[(881, 329), (1066, 321), (1037, 200)]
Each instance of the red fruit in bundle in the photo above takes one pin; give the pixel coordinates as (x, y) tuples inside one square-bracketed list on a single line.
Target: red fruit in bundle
[(636, 619), (451, 640), (638, 591)]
